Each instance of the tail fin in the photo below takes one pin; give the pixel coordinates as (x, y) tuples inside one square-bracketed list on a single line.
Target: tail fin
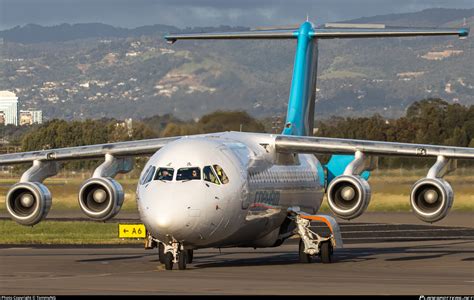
[(300, 114)]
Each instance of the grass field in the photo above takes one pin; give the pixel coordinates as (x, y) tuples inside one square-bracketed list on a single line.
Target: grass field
[(54, 232), (390, 193)]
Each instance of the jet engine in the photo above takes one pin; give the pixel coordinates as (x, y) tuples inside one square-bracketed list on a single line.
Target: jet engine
[(348, 196), (101, 198), (28, 202), (431, 199)]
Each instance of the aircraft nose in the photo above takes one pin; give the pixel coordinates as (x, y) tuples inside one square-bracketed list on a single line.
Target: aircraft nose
[(168, 217), (174, 213)]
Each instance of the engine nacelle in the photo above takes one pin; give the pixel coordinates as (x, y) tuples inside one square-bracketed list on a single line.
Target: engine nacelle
[(101, 198), (348, 196), (431, 199), (28, 202)]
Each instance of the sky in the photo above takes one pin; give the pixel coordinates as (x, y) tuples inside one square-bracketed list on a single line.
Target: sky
[(190, 13)]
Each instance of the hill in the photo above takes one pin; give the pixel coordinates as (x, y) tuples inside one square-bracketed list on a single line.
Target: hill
[(95, 70)]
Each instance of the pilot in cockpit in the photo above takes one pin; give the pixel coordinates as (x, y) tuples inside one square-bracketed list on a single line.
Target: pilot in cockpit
[(221, 174), (164, 174)]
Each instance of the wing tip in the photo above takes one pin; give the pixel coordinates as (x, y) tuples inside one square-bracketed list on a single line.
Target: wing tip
[(170, 39), (463, 32)]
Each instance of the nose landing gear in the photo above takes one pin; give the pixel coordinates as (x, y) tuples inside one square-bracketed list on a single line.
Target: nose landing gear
[(175, 253), (170, 253)]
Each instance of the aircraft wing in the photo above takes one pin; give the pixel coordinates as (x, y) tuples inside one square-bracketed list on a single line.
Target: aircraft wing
[(119, 149), (322, 145)]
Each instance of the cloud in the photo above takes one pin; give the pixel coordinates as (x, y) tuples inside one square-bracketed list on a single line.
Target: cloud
[(184, 13)]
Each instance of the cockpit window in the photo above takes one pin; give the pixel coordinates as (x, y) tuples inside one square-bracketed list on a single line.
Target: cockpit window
[(148, 175), (188, 174), (165, 174), (221, 174), (210, 175), (142, 180)]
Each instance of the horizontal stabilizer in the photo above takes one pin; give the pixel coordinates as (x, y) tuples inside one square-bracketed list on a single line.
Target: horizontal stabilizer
[(334, 33), (354, 25), (280, 27), (254, 34), (331, 32)]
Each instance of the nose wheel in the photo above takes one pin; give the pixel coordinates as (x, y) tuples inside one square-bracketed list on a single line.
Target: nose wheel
[(168, 260), (174, 253), (161, 252), (182, 260)]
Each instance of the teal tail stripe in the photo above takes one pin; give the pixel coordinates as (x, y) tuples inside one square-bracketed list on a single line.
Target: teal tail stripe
[(300, 114)]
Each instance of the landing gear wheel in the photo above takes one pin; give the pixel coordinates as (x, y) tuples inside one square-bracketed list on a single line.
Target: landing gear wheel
[(182, 257), (190, 254), (326, 252), (168, 261), (304, 258), (161, 252)]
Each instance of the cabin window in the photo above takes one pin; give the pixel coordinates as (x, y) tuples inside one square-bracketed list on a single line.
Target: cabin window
[(148, 175), (210, 175), (221, 174), (185, 174), (164, 174)]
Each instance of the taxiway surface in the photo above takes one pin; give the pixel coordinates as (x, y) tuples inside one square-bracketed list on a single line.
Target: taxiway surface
[(412, 267)]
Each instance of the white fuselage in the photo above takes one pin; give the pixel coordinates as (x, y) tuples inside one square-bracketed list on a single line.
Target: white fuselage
[(246, 207)]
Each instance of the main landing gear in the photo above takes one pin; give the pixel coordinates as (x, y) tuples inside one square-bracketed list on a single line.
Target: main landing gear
[(311, 244)]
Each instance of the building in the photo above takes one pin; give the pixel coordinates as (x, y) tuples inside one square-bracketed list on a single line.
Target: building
[(9, 107), (30, 117)]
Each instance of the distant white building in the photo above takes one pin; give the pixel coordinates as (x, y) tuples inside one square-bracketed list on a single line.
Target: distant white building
[(9, 107), (30, 117)]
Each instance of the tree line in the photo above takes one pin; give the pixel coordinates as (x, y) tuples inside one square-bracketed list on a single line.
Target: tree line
[(430, 121)]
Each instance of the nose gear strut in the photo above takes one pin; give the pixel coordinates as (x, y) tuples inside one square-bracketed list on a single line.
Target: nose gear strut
[(170, 253)]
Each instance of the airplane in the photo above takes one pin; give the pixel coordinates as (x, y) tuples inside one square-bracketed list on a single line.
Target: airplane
[(240, 189)]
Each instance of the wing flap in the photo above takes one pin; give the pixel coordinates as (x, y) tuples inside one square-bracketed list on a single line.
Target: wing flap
[(322, 145), (129, 148)]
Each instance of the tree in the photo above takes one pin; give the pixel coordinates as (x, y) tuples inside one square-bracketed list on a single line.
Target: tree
[(229, 121)]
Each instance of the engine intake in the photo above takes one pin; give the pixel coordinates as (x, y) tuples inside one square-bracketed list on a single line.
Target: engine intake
[(28, 202), (431, 199), (101, 198), (348, 196)]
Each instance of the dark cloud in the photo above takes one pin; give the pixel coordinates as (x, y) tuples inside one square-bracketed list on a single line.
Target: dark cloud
[(183, 13)]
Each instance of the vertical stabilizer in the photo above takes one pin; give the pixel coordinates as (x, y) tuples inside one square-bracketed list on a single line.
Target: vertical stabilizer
[(300, 114)]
